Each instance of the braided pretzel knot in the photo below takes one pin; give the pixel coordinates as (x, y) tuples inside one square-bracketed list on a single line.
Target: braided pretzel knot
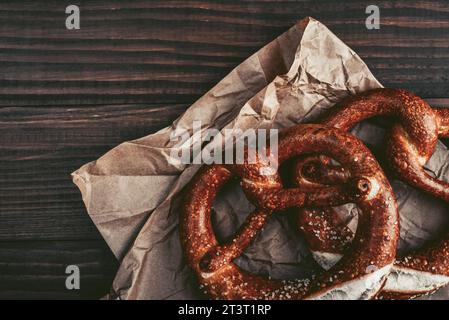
[(359, 275), (412, 142)]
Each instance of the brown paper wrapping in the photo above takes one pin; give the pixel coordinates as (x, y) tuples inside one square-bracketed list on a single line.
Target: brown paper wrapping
[(132, 193)]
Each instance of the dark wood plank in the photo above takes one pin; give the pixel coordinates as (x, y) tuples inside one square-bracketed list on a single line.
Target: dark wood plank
[(36, 269), (40, 147), (173, 51)]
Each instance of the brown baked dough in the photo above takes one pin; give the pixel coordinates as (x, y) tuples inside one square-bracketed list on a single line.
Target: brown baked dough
[(411, 144), (369, 259)]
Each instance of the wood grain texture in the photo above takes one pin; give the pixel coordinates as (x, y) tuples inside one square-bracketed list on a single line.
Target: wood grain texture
[(36, 269), (66, 97), (173, 51)]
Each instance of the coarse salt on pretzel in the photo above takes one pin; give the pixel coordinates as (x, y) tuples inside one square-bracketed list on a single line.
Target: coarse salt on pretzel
[(411, 144), (359, 275)]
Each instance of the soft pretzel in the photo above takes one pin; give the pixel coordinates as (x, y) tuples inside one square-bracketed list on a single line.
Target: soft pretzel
[(411, 144), (360, 273), (413, 137)]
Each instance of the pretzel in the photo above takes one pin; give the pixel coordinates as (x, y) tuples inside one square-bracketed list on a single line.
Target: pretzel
[(360, 274), (412, 142)]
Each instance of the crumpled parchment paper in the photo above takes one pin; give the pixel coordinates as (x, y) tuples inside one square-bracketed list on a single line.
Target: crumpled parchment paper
[(132, 193)]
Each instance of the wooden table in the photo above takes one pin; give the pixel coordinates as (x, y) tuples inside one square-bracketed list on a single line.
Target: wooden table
[(68, 96)]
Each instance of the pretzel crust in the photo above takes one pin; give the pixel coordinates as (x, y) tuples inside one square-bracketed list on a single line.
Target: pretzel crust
[(369, 258), (411, 144)]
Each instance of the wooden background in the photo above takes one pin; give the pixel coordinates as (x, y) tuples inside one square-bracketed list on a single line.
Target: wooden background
[(68, 96)]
